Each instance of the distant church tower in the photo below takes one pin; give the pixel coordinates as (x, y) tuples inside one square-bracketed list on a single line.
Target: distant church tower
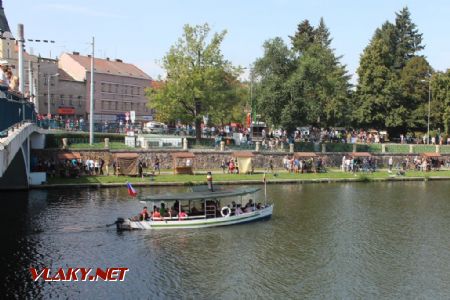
[(7, 46), (4, 26)]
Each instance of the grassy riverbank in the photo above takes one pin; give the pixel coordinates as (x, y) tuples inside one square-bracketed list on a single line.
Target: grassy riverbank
[(332, 175)]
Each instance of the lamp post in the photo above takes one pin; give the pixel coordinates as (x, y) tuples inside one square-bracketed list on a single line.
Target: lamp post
[(48, 92)]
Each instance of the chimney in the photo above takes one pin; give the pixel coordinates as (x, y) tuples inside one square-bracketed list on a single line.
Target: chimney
[(75, 53), (119, 60), (89, 55), (107, 58)]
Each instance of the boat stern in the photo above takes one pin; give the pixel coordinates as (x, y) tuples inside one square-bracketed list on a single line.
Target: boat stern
[(123, 224)]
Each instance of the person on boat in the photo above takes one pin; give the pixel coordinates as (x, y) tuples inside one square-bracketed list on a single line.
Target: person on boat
[(156, 216), (238, 210), (176, 206), (182, 215), (163, 210), (172, 212), (144, 214), (249, 206), (233, 207)]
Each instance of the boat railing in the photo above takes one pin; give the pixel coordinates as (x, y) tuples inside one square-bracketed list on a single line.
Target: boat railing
[(180, 219)]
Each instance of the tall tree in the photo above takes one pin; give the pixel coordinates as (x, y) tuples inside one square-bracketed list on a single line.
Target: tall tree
[(303, 86), (322, 34), (303, 37), (389, 94), (409, 40), (199, 80), (440, 102), (273, 70)]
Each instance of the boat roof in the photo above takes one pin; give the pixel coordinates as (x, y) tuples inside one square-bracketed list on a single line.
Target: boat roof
[(202, 195)]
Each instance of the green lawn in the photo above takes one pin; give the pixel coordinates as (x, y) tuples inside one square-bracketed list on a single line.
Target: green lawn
[(333, 174)]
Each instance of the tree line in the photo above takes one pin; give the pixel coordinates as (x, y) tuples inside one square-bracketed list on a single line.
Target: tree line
[(304, 82)]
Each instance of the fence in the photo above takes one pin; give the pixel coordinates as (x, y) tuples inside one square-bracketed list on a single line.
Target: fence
[(13, 112)]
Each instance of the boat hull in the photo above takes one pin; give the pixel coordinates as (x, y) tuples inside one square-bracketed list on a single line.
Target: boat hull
[(253, 216)]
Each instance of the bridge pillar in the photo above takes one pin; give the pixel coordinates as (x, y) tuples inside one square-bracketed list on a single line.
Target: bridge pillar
[(16, 175)]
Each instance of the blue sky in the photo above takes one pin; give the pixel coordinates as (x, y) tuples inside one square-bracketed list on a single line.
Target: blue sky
[(142, 31)]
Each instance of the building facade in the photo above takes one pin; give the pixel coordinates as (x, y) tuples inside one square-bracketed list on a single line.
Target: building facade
[(119, 87), (57, 89)]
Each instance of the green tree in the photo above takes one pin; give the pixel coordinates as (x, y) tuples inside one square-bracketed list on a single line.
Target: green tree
[(408, 38), (273, 71), (199, 80), (304, 37), (303, 86), (389, 92), (440, 104)]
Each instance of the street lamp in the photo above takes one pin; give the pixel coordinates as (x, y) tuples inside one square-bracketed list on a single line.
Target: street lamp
[(48, 91), (429, 108)]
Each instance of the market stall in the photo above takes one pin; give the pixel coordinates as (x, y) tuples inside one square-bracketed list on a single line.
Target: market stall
[(183, 163)]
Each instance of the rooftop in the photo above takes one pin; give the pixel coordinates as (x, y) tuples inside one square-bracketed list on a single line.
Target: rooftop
[(106, 66)]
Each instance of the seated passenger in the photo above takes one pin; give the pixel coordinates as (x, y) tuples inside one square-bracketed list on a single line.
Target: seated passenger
[(144, 214), (172, 213), (176, 205), (182, 215), (248, 209), (233, 207), (249, 205), (238, 210), (163, 210), (156, 216)]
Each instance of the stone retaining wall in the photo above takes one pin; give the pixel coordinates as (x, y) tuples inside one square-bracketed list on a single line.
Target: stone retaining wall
[(207, 159)]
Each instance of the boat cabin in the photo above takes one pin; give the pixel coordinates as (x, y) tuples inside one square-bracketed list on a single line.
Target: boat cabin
[(203, 204)]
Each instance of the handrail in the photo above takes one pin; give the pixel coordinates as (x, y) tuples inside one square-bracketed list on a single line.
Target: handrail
[(15, 126)]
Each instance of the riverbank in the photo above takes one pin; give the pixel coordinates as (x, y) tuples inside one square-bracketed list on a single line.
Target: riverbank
[(166, 179)]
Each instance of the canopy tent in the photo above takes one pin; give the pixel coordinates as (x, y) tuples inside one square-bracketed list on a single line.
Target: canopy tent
[(305, 155), (69, 155), (360, 154), (183, 163), (244, 161), (431, 155), (202, 195), (126, 163)]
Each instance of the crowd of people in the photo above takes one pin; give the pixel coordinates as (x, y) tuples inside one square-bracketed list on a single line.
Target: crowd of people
[(357, 164)]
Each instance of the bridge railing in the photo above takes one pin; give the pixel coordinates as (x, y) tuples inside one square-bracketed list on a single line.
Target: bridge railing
[(14, 110)]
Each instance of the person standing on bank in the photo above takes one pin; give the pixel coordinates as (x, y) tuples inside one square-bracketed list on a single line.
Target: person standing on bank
[(390, 164), (156, 166)]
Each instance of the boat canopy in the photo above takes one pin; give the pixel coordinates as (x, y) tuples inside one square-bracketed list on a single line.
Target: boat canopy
[(202, 195)]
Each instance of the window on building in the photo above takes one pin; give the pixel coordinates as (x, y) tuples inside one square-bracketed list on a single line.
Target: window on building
[(45, 79), (103, 87), (103, 104), (70, 100), (138, 90)]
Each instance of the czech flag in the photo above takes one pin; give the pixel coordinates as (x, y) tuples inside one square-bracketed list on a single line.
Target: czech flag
[(131, 191)]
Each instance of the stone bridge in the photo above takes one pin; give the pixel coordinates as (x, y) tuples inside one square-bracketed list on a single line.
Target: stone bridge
[(15, 154)]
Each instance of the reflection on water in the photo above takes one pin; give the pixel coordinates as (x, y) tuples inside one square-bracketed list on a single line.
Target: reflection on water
[(324, 241)]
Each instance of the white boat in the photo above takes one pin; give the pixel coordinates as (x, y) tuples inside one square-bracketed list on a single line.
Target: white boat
[(204, 209)]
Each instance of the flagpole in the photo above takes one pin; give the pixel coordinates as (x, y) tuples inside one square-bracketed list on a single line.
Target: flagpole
[(265, 190)]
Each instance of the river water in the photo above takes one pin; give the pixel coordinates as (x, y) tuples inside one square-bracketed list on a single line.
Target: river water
[(355, 240)]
